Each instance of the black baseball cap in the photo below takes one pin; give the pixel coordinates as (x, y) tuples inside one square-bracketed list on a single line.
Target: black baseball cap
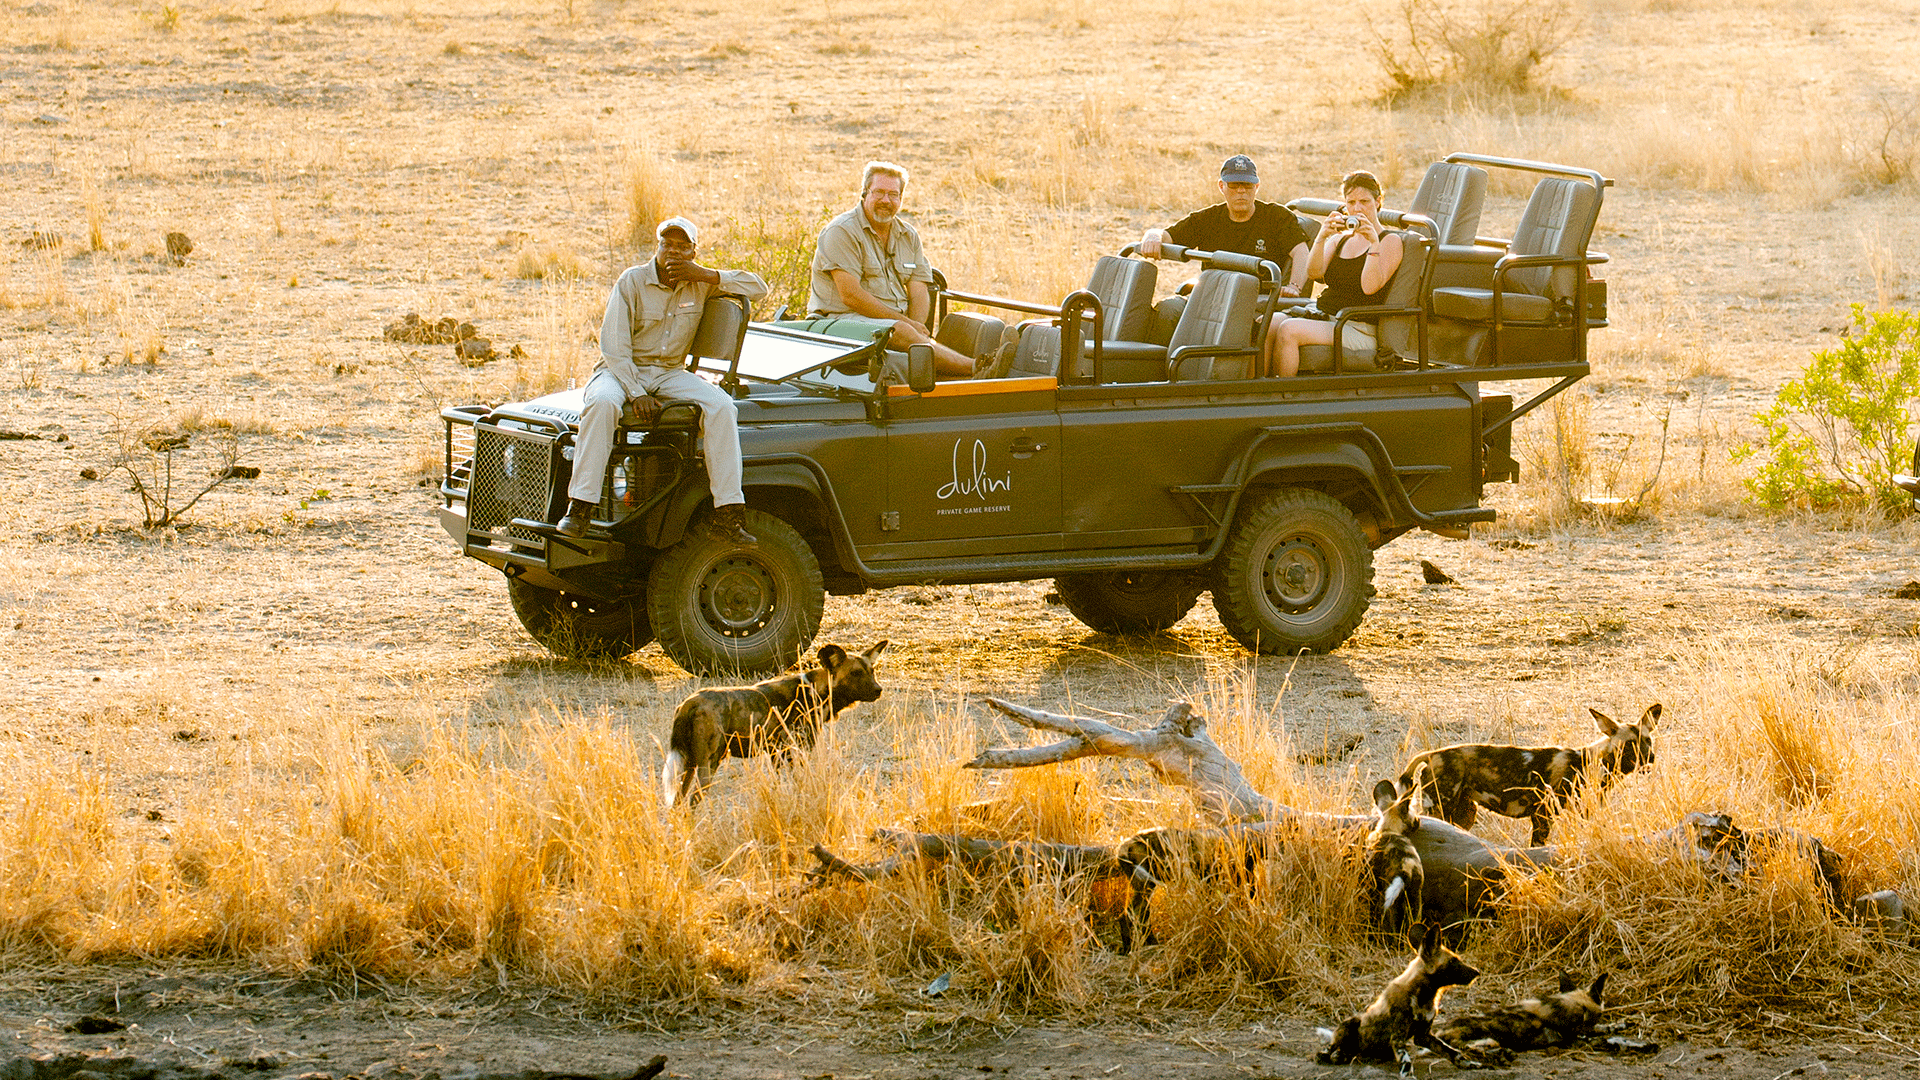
[(1239, 170)]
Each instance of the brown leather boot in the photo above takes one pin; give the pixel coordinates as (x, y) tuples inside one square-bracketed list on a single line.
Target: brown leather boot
[(579, 515), (728, 524)]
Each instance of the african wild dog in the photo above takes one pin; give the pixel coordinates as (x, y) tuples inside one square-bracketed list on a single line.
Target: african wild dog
[(1402, 1016), (1554, 1020), (768, 717), (1398, 880), (1526, 781), (1150, 857)]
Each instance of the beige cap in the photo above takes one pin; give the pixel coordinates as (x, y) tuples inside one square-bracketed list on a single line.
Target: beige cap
[(685, 226)]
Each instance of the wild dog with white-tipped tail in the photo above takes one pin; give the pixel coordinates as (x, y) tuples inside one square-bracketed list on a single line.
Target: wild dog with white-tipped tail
[(1398, 879), (771, 717)]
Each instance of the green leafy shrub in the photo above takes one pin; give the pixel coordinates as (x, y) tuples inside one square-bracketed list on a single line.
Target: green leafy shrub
[(1836, 435)]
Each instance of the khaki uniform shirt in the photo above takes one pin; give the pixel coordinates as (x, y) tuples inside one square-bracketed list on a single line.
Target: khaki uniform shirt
[(849, 243), (651, 323)]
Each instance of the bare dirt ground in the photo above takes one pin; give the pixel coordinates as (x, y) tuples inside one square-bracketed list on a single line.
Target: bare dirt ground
[(338, 167)]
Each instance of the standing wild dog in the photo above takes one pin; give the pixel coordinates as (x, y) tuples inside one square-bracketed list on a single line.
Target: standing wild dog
[(1402, 1016), (768, 717), (1526, 781), (1536, 1023), (1394, 862)]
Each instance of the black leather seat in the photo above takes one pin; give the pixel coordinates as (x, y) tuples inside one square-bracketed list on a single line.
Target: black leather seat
[(1124, 288), (1451, 195), (1534, 284)]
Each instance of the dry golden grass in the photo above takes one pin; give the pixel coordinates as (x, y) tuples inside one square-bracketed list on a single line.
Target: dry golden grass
[(539, 852)]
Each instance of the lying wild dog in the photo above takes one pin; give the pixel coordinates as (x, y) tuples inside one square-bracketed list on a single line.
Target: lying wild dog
[(1394, 862), (1402, 1016), (1150, 857), (1526, 781), (1560, 1019), (768, 717)]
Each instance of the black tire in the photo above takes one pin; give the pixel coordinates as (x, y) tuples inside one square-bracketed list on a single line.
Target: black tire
[(1130, 602), (722, 609), (1296, 574), (580, 627)]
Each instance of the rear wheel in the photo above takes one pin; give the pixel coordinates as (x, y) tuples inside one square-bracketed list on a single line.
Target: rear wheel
[(1296, 574), (1130, 602), (577, 626), (720, 608)]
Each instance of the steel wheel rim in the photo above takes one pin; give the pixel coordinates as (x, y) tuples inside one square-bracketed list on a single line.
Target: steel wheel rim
[(1296, 575), (738, 597)]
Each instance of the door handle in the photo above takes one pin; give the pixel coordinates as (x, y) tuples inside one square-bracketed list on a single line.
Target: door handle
[(1024, 447)]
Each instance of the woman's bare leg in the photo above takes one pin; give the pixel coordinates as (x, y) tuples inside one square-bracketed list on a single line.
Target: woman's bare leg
[(1286, 339)]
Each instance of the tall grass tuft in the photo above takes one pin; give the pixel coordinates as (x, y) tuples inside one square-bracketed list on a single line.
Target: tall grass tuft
[(652, 192)]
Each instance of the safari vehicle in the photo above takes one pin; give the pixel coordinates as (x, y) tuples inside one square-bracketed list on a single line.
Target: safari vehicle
[(1136, 467)]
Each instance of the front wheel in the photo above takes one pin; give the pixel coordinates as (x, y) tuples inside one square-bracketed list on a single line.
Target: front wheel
[(720, 608), (1296, 574), (577, 626), (1130, 602)]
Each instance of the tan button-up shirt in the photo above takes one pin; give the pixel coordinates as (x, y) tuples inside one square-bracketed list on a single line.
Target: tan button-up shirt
[(849, 243), (651, 323)]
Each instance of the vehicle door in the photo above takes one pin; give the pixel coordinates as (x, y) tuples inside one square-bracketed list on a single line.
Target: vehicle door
[(1123, 455), (973, 468)]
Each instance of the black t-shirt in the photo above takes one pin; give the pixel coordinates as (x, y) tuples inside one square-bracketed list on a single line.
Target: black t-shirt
[(1270, 233)]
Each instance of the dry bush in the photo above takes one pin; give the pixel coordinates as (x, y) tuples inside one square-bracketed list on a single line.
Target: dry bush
[(1471, 45), (146, 452), (653, 191), (540, 262), (779, 249)]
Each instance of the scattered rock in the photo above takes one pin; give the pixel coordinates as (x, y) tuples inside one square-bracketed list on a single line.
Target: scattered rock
[(49, 118), (475, 351), (89, 474), (1435, 575), (161, 444), (96, 1025), (1883, 912), (156, 815), (178, 248), (417, 331), (517, 353), (239, 472), (1787, 612), (465, 331), (1334, 750), (1507, 543), (6, 436), (191, 735), (42, 241), (1909, 591)]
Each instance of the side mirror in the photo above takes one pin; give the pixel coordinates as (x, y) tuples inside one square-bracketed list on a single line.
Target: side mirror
[(920, 368)]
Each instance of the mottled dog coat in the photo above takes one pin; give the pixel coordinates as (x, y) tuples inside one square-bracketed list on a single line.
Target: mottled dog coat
[(1526, 781), (1402, 1016), (1554, 1020), (1393, 861), (768, 717)]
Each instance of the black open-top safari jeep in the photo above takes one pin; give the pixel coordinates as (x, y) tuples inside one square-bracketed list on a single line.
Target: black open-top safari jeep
[(1127, 454)]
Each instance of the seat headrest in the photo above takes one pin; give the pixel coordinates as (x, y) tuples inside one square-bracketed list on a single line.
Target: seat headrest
[(1452, 194)]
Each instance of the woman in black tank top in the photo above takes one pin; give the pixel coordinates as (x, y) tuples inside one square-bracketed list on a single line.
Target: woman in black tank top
[(1355, 261)]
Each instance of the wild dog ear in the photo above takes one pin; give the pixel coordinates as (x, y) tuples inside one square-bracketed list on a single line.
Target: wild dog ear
[(1385, 795), (832, 656), (1607, 726), (1598, 987), (1650, 717), (1567, 985), (1430, 943), (878, 648)]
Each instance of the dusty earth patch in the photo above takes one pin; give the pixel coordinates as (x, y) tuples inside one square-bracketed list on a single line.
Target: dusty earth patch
[(339, 167)]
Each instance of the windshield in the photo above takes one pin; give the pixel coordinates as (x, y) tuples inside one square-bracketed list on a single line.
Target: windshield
[(777, 354)]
